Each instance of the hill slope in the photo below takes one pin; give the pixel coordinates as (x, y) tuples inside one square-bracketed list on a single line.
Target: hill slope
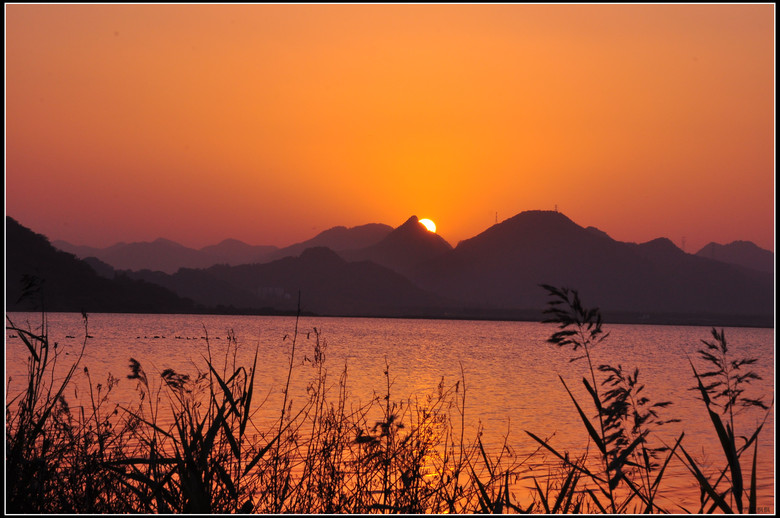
[(403, 249), (338, 239), (743, 253), (168, 256), (328, 284), (37, 272), (503, 266)]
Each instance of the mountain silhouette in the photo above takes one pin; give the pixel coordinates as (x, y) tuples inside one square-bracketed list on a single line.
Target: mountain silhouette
[(331, 285), (743, 253), (203, 288), (233, 252), (168, 256), (403, 249), (160, 254), (338, 239), (412, 272), (101, 268), (503, 266), (38, 276)]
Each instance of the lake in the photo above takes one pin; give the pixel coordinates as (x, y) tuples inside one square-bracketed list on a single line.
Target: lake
[(510, 372)]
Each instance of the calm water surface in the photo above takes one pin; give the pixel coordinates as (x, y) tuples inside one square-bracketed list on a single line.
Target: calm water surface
[(511, 374)]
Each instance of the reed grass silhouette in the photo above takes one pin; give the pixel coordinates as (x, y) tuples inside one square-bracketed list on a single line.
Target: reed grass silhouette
[(193, 442)]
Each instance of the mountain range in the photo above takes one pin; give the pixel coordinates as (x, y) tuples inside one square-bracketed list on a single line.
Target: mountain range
[(503, 266), (168, 256), (40, 277), (377, 270)]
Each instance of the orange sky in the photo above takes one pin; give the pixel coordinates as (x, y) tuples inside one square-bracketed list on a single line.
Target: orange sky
[(270, 123)]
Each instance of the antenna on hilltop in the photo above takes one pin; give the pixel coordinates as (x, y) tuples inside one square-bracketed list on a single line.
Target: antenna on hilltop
[(496, 217)]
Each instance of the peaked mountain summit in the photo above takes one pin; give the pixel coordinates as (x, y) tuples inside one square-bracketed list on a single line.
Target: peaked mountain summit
[(404, 249), (503, 266)]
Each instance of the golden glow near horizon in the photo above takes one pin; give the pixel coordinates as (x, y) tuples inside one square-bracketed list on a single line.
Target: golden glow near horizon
[(428, 224), (270, 123)]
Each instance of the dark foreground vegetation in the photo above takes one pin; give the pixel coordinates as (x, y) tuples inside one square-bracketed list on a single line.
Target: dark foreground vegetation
[(193, 443)]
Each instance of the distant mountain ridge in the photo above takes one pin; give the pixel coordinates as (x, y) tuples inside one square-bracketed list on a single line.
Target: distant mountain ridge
[(495, 274), (233, 251), (168, 256), (338, 239), (743, 253)]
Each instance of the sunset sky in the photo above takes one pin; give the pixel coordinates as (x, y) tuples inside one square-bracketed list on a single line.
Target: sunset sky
[(271, 123)]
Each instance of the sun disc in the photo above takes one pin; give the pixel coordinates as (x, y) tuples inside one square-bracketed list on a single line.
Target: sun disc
[(430, 225)]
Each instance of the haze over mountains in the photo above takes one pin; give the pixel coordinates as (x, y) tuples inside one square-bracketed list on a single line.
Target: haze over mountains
[(168, 256), (376, 270)]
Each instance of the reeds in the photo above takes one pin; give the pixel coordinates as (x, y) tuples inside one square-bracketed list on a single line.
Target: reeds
[(192, 442), (629, 467), (725, 392), (55, 453)]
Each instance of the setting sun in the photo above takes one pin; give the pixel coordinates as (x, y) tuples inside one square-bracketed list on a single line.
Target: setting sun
[(430, 225)]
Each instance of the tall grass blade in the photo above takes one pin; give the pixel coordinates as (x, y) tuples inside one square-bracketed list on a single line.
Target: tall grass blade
[(636, 491), (595, 500), (507, 502), (563, 458), (485, 458), (656, 483), (208, 441), (591, 430), (705, 485), (754, 436), (571, 494), (542, 497), (225, 390), (753, 498), (231, 440), (726, 437), (593, 394), (484, 498), (617, 462), (223, 475), (29, 345), (563, 492), (249, 392)]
